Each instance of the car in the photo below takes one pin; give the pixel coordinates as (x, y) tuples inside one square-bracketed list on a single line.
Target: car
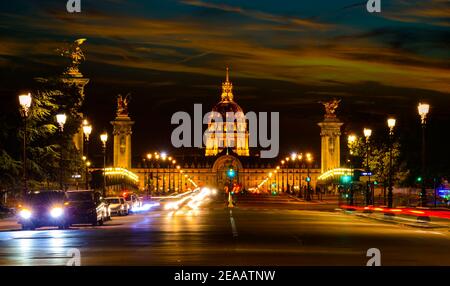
[(118, 205), (85, 207), (43, 208), (5, 210), (133, 201)]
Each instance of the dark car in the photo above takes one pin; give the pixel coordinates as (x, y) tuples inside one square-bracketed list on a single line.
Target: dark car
[(86, 207), (44, 208)]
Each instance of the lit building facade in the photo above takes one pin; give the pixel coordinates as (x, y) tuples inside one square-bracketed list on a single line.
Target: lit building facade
[(227, 125), (227, 162)]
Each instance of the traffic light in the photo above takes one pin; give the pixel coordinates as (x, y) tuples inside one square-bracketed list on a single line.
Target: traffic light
[(308, 179), (346, 179), (231, 173), (419, 179)]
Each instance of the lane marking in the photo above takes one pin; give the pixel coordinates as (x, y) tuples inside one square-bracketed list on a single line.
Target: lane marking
[(233, 225)]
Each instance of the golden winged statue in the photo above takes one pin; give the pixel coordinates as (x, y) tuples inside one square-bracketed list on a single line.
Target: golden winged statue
[(330, 107), (122, 104), (76, 56)]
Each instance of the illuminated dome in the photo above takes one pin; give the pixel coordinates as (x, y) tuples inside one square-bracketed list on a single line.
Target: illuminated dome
[(238, 140), (227, 104)]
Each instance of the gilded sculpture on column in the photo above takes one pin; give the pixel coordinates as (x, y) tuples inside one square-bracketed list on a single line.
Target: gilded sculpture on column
[(122, 105), (76, 56), (330, 108)]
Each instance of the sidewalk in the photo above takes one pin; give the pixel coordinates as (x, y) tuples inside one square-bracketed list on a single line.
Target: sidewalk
[(415, 217), (9, 223), (326, 200)]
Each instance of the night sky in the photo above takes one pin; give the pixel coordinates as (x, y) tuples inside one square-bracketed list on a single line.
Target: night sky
[(284, 56)]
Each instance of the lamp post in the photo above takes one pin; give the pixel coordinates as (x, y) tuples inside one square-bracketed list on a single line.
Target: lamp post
[(148, 174), (300, 175), (104, 139), (351, 140), (423, 110), (88, 164), (25, 104), (278, 178), (157, 156), (172, 182), (164, 157), (391, 124), (177, 179), (87, 130), (282, 173), (367, 133), (61, 119), (293, 158), (309, 159)]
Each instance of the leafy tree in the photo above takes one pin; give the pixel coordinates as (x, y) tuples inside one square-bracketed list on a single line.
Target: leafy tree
[(45, 142), (379, 158)]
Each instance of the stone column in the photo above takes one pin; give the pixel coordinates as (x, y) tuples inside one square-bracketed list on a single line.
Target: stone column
[(330, 135), (122, 141)]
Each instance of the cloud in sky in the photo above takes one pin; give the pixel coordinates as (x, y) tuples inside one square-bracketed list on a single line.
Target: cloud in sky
[(257, 43)]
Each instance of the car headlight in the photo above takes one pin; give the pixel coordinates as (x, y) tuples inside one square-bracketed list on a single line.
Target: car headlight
[(25, 214), (56, 212)]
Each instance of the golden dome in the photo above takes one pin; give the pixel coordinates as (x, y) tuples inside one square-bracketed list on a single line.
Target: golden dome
[(227, 104)]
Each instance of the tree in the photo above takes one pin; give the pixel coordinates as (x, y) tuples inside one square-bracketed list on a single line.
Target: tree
[(44, 140), (379, 160)]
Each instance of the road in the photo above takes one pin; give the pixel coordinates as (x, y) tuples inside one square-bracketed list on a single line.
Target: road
[(270, 231)]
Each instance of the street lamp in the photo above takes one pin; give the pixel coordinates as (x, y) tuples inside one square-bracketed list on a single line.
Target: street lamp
[(87, 130), (86, 171), (367, 133), (309, 159), (172, 177), (391, 124), (282, 175), (423, 109), (61, 120), (351, 140), (25, 104), (104, 139)]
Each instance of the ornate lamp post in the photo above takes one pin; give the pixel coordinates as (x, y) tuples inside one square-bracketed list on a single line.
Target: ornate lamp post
[(25, 104), (157, 156), (172, 185), (423, 110), (147, 174), (104, 139), (278, 178), (61, 119), (88, 164), (300, 175), (351, 140), (294, 156), (391, 124), (87, 130), (282, 177), (367, 133), (164, 157), (177, 179), (309, 159), (287, 159)]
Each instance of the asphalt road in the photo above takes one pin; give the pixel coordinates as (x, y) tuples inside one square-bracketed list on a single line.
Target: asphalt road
[(268, 231)]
